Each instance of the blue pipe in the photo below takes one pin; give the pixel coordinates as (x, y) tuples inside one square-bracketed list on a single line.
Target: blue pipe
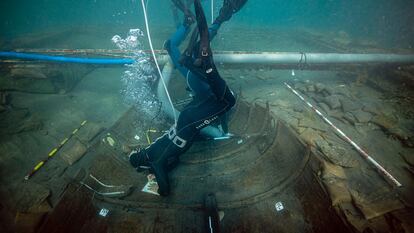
[(101, 61)]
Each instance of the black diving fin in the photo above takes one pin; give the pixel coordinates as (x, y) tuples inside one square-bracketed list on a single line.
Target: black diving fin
[(229, 8), (189, 17)]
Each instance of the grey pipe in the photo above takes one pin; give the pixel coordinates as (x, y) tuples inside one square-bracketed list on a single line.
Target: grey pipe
[(266, 58)]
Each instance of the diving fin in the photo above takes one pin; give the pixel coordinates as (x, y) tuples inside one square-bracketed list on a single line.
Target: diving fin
[(229, 8), (189, 17)]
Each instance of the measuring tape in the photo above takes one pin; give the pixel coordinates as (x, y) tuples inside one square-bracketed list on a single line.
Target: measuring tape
[(53, 152), (362, 152)]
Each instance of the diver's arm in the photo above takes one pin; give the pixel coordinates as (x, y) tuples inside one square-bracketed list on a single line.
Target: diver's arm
[(178, 37), (172, 46)]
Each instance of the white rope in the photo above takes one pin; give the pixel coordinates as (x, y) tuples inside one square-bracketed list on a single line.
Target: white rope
[(212, 11), (146, 5), (364, 154), (155, 59)]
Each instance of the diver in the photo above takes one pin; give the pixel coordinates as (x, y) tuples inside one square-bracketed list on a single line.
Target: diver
[(212, 97)]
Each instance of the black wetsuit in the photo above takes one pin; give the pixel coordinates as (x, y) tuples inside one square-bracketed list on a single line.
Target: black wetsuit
[(211, 99)]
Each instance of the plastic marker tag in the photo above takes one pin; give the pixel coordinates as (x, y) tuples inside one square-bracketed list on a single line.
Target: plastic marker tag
[(104, 212), (279, 206)]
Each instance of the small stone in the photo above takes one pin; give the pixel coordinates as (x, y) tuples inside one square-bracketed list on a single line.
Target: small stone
[(372, 108), (310, 136), (385, 122), (361, 116), (299, 129), (311, 88), (342, 90), (298, 85), (302, 89), (297, 109), (313, 124), (328, 91), (400, 133), (336, 154), (320, 87), (409, 159), (332, 101), (350, 118), (333, 171), (324, 107), (348, 105)]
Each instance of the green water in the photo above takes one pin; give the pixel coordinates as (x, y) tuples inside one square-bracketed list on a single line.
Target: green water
[(388, 23)]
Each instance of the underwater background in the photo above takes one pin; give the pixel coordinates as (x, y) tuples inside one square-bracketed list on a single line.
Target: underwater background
[(115, 108), (387, 22)]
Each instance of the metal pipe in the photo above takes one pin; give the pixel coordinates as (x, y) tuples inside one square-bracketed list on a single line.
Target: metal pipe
[(272, 58), (313, 58)]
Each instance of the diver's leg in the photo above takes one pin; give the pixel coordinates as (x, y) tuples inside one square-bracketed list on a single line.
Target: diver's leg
[(164, 152), (160, 157), (195, 118)]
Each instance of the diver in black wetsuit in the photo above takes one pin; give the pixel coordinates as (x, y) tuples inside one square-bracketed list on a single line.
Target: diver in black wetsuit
[(211, 96)]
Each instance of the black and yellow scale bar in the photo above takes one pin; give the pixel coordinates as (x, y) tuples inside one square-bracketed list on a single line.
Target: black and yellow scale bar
[(53, 152)]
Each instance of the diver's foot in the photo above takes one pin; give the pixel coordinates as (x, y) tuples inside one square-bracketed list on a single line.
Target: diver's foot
[(161, 174), (139, 160)]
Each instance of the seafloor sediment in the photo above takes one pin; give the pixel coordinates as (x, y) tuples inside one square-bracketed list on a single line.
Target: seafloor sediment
[(371, 105)]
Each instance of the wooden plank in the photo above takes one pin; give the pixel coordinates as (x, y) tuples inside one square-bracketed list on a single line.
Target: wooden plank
[(75, 213)]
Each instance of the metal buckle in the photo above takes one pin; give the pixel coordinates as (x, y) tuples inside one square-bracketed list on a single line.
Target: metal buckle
[(172, 132), (204, 53), (179, 141)]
